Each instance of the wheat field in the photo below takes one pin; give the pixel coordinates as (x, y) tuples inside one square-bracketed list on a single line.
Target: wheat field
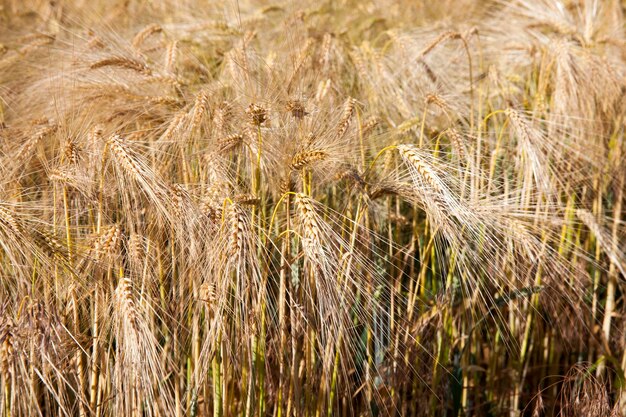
[(312, 208)]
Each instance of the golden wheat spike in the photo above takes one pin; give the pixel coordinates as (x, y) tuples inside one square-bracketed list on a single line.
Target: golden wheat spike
[(146, 32), (122, 62), (305, 159)]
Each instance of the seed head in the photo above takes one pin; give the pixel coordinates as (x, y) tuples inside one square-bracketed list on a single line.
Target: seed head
[(257, 114)]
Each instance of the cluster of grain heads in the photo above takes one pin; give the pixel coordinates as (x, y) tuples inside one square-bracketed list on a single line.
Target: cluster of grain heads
[(348, 209)]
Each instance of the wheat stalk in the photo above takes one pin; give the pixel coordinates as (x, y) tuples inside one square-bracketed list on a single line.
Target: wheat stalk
[(411, 156), (304, 159), (346, 116), (122, 62), (199, 109), (124, 155), (144, 34)]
